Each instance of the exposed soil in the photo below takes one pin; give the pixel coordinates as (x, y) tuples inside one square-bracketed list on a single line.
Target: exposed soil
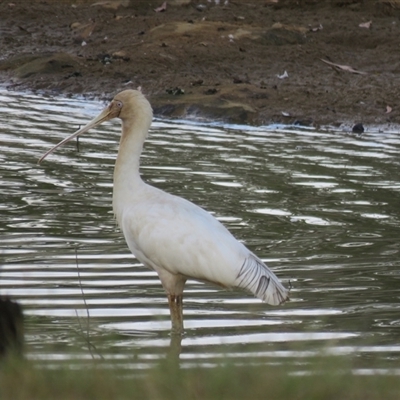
[(212, 59)]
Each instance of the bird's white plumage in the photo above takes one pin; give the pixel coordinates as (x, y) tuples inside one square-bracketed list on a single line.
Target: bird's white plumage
[(171, 235), (167, 232)]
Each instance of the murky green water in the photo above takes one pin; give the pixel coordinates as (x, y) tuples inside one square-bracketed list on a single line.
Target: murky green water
[(321, 208)]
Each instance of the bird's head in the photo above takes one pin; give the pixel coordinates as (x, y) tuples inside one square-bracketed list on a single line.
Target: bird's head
[(126, 105), (129, 104)]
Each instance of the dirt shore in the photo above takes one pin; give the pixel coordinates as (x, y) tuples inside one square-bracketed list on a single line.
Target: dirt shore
[(332, 62)]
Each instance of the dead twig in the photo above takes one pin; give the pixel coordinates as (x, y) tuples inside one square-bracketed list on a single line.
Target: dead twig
[(346, 68)]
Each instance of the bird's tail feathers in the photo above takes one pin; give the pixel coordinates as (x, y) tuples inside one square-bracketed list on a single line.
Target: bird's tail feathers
[(256, 277)]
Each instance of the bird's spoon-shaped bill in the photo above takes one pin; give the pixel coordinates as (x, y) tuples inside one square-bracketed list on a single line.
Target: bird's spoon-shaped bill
[(105, 115)]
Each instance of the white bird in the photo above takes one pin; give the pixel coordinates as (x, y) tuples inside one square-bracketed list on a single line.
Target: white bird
[(169, 234)]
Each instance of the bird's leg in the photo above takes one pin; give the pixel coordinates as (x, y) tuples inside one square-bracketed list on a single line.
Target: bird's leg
[(175, 307)]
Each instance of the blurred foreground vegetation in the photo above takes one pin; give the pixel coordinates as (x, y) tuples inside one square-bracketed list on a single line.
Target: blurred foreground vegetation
[(329, 378)]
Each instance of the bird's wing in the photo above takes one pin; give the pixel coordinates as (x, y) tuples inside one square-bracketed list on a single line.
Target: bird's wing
[(170, 233)]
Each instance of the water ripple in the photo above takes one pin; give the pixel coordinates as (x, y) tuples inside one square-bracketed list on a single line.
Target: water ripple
[(321, 208)]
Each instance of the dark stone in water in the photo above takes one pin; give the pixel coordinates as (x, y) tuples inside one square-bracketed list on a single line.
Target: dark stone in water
[(358, 128)]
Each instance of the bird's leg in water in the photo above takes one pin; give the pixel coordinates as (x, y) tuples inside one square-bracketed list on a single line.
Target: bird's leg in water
[(175, 306)]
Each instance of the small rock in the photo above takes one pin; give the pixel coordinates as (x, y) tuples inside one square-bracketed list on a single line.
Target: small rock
[(199, 82), (75, 25), (104, 58), (74, 74), (358, 128), (176, 91), (211, 91), (120, 55)]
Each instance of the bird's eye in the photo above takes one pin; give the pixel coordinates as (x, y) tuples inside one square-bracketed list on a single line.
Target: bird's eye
[(119, 103)]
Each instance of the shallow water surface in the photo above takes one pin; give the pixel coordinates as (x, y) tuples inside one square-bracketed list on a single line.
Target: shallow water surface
[(322, 209)]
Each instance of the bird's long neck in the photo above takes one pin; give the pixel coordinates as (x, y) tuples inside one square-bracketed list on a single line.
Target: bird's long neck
[(127, 180)]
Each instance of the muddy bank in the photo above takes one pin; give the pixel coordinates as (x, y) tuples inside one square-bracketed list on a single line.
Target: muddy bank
[(307, 62)]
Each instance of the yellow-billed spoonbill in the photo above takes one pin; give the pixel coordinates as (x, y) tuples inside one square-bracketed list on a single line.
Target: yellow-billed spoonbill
[(171, 235)]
